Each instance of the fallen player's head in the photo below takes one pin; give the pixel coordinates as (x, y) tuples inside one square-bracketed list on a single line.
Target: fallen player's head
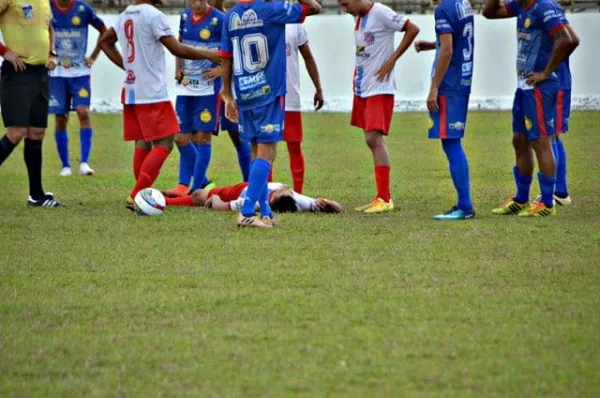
[(282, 201)]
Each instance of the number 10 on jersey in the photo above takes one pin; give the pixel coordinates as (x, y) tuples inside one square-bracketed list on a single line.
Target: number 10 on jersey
[(250, 53)]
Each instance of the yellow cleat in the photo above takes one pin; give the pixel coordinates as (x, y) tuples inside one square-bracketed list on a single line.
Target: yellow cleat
[(365, 207), (130, 204), (380, 206), (251, 222), (539, 209), (510, 207)]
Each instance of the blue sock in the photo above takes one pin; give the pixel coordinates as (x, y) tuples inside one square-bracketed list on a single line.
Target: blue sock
[(459, 170), (561, 170), (85, 140), (187, 160), (547, 188), (263, 202), (244, 155), (257, 182), (204, 153), (523, 186), (62, 146)]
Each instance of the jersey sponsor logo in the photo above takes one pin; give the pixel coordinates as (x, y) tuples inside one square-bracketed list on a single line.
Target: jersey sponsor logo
[(76, 20), (458, 126), (248, 82), (130, 77), (67, 34), (214, 21), (66, 63), (397, 19), (27, 11), (83, 93), (265, 90), (249, 19), (369, 38), (270, 128), (361, 53), (192, 83), (467, 68), (205, 116), (464, 10), (205, 34)]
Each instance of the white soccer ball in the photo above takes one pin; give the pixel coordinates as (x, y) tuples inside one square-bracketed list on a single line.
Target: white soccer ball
[(149, 202)]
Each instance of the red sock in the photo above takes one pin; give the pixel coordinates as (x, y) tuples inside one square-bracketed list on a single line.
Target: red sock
[(182, 201), (150, 168), (296, 165), (382, 179), (139, 155)]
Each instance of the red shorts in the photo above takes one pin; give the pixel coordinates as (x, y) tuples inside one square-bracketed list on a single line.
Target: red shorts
[(229, 192), (373, 113), (149, 122), (292, 128)]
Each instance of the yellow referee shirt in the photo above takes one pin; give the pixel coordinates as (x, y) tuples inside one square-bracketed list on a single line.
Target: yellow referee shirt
[(24, 25)]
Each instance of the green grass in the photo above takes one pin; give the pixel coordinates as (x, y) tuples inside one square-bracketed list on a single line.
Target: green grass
[(95, 301)]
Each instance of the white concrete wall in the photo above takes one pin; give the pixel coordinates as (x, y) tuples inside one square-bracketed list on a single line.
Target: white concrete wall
[(332, 42)]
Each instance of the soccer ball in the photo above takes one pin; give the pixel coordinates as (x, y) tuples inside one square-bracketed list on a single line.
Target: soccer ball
[(149, 202)]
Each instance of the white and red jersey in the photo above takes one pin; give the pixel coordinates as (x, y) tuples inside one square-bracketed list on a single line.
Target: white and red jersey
[(374, 35), (303, 203), (295, 37), (139, 29)]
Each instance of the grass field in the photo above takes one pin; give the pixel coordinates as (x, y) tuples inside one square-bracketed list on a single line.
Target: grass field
[(95, 301)]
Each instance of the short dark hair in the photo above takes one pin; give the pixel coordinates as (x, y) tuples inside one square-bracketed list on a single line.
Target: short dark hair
[(284, 204)]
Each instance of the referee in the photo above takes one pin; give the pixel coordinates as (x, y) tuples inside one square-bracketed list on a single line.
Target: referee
[(28, 52)]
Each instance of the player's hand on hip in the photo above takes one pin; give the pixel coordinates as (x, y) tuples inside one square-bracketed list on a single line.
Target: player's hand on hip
[(16, 60), (88, 61), (179, 75), (212, 73), (231, 111), (535, 78), (432, 104), (385, 71), (51, 64), (318, 100)]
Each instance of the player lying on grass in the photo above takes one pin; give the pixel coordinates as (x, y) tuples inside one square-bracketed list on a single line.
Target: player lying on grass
[(281, 198)]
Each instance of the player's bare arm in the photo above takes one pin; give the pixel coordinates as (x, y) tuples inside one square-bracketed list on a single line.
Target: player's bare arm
[(213, 73), (565, 42), (188, 52), (52, 61), (312, 5), (89, 61), (410, 33), (492, 9), (107, 43), (422, 45), (313, 72), (179, 64), (441, 67), (231, 112)]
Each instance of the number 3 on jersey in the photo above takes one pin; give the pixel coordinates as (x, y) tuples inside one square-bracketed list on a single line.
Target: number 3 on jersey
[(250, 54), (467, 52), (130, 44)]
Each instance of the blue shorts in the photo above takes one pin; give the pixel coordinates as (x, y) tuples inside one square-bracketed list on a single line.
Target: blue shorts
[(198, 113), (68, 93), (533, 112), (226, 124), (563, 111), (264, 124), (451, 119)]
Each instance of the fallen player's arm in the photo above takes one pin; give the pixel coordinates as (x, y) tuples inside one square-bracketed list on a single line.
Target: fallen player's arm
[(188, 52), (107, 43), (493, 10), (216, 203)]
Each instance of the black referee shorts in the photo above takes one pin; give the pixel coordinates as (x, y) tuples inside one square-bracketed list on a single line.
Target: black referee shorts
[(24, 96)]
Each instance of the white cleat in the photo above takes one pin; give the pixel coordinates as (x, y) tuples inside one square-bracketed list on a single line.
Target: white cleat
[(66, 172), (86, 170), (566, 201)]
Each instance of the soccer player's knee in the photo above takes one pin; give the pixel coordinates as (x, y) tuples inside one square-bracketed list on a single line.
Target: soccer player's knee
[(141, 144), (36, 133), (83, 113), (166, 142), (235, 138), (16, 134), (203, 138), (182, 139), (520, 143), (60, 122), (374, 140)]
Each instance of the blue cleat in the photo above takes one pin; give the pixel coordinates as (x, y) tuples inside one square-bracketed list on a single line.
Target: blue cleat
[(456, 214)]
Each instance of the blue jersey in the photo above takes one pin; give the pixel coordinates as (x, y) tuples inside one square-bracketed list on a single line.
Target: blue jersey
[(535, 26), (564, 75), (71, 36), (455, 17), (204, 32), (254, 35)]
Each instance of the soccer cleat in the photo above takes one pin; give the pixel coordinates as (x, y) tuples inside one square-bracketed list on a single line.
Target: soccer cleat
[(566, 201), (269, 221), (130, 204), (456, 214), (380, 206), (209, 186), (46, 201), (365, 207), (510, 207), (539, 209), (86, 170), (179, 191), (251, 222), (539, 199), (66, 172)]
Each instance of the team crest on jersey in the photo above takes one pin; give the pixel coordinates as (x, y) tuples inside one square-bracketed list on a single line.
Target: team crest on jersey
[(66, 63), (205, 116), (369, 38), (76, 21), (528, 124), (527, 23), (27, 11), (83, 93), (214, 22), (185, 81), (205, 34), (249, 19)]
